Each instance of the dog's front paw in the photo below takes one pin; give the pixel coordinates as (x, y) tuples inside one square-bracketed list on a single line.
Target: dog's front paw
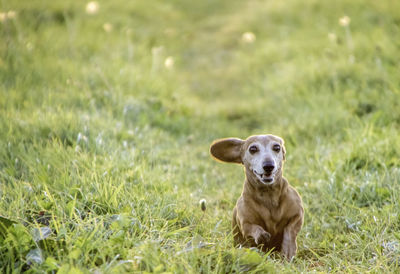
[(262, 238), (289, 251)]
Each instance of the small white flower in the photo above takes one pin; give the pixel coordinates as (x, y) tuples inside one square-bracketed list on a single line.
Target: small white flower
[(92, 7), (202, 203), (248, 37), (344, 21), (3, 16), (169, 62), (11, 14), (107, 27), (332, 37)]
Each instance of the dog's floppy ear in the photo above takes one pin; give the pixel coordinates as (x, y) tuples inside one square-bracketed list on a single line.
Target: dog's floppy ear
[(227, 150)]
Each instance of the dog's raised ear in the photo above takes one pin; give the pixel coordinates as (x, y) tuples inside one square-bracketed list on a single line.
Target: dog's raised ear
[(227, 150)]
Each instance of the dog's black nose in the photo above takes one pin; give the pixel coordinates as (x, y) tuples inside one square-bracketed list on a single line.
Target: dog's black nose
[(268, 166)]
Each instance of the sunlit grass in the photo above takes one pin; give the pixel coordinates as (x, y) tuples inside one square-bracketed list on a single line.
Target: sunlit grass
[(107, 110)]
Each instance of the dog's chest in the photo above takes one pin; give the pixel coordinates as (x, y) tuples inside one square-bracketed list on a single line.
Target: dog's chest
[(267, 200), (273, 219)]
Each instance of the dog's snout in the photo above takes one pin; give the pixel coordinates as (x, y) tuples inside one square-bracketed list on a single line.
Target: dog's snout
[(268, 166)]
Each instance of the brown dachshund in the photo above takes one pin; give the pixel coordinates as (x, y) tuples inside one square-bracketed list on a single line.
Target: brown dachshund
[(269, 213)]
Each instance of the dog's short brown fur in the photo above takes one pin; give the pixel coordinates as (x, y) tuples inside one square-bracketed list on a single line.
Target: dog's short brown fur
[(269, 213)]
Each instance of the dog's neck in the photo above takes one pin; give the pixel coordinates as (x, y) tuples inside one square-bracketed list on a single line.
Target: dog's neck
[(268, 195)]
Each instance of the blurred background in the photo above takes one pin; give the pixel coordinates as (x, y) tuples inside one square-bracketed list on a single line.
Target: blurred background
[(109, 107), (304, 68)]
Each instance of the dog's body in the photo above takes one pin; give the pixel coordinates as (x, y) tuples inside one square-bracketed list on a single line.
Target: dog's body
[(269, 213)]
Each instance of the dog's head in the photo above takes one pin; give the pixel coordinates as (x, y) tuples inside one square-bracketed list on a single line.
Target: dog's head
[(261, 155)]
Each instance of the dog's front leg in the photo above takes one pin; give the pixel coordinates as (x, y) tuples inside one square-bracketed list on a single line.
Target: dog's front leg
[(259, 235), (289, 245)]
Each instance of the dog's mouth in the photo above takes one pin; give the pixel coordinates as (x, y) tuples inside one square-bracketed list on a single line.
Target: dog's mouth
[(266, 178)]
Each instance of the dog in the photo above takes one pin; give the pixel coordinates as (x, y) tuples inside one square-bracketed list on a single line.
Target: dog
[(269, 213)]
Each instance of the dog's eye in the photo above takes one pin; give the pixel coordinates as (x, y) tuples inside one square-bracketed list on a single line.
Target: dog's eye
[(276, 148), (253, 149)]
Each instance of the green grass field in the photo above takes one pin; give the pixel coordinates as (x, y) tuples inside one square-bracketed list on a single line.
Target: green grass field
[(106, 118)]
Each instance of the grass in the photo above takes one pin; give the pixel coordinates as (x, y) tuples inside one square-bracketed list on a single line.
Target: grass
[(104, 150)]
